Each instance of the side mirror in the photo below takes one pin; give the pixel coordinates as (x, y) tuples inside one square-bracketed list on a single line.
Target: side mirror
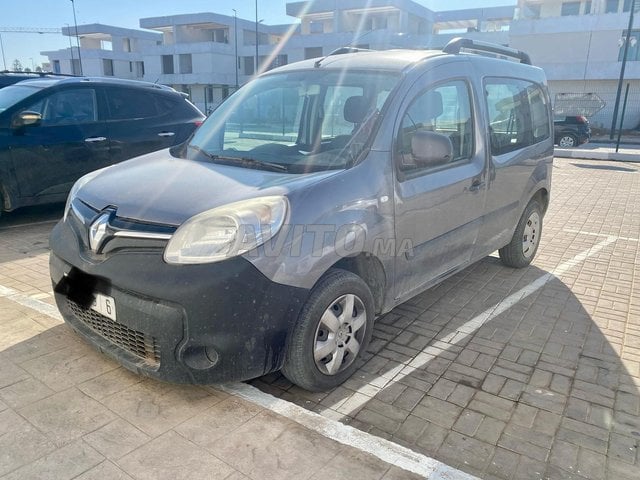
[(26, 119), (430, 149)]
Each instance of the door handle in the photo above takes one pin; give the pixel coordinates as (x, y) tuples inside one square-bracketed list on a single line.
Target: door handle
[(95, 139), (476, 185), (166, 134)]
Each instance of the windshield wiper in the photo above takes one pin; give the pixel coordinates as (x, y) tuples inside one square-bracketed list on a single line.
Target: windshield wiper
[(242, 161)]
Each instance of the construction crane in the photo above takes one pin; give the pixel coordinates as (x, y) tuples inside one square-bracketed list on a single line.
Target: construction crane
[(40, 30), (30, 30)]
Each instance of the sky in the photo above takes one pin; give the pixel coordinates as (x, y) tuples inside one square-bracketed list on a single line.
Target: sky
[(126, 13)]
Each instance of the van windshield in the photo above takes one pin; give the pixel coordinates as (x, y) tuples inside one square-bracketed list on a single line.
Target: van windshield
[(299, 122), (12, 94)]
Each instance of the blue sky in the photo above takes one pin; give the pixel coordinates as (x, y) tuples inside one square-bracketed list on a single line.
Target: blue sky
[(126, 13)]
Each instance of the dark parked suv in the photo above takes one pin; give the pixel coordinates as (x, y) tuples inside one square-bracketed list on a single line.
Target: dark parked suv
[(54, 130), (571, 131)]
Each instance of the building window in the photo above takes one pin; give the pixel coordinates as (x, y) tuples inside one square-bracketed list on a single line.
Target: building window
[(632, 51), (531, 10), (587, 7), (316, 27), (126, 44), (56, 66), (279, 61), (312, 52), (570, 8), (249, 65), (209, 93), (626, 6), (225, 91), (611, 6), (139, 69), (167, 64), (220, 35), (106, 45), (185, 63), (75, 66), (107, 67)]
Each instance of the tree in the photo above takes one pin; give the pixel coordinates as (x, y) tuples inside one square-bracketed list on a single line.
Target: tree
[(39, 69), (27, 70), (17, 65)]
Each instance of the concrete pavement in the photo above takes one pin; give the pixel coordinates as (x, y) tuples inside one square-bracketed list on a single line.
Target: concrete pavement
[(497, 372)]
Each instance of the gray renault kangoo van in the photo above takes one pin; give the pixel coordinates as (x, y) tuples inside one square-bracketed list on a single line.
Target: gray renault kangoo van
[(316, 198)]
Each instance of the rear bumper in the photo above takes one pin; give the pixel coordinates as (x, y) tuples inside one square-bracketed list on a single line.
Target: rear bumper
[(186, 324)]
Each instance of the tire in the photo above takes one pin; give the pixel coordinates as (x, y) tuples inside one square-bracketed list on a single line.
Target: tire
[(567, 140), (524, 244), (324, 344)]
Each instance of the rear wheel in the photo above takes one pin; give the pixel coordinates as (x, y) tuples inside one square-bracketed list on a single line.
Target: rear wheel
[(567, 140), (524, 244), (333, 330)]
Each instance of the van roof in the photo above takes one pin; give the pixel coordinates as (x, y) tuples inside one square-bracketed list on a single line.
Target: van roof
[(390, 60)]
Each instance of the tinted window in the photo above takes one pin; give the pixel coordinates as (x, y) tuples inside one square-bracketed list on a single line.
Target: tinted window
[(166, 103), (11, 95), (518, 114), (443, 109), (130, 103), (73, 106)]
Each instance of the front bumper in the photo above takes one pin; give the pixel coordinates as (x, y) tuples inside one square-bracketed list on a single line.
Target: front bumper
[(187, 324)]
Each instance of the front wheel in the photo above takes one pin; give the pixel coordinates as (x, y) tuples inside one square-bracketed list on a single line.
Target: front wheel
[(567, 141), (333, 330), (524, 244)]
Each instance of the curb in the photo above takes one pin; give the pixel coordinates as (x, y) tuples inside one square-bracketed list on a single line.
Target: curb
[(596, 155)]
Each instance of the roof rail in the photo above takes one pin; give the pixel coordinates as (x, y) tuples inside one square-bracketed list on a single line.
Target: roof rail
[(340, 51), (454, 46)]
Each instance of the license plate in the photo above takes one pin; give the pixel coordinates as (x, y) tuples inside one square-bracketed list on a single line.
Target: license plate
[(104, 305)]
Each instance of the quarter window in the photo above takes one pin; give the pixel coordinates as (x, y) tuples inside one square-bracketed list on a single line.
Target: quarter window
[(518, 114), (130, 104), (443, 109)]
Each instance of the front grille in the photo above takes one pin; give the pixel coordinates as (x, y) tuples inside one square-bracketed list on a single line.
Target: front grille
[(137, 343)]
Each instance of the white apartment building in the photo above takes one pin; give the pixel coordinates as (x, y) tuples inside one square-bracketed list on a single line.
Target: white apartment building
[(199, 54), (207, 54), (577, 42), (105, 50), (580, 46)]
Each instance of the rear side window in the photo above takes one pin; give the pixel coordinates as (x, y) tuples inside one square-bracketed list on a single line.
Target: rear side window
[(166, 103), (130, 104), (518, 114)]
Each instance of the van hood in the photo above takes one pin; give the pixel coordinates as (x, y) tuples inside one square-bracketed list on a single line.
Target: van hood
[(160, 188)]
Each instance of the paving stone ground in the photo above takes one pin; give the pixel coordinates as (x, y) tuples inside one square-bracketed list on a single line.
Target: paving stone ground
[(547, 386)]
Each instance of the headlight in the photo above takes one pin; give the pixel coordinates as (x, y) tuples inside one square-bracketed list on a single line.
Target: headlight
[(227, 231), (76, 188)]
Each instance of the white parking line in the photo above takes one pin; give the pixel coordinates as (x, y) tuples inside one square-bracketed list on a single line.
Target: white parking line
[(593, 234), (32, 303), (385, 450), (469, 328)]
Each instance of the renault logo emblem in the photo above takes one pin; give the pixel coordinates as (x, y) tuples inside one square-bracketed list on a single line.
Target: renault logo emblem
[(98, 231)]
